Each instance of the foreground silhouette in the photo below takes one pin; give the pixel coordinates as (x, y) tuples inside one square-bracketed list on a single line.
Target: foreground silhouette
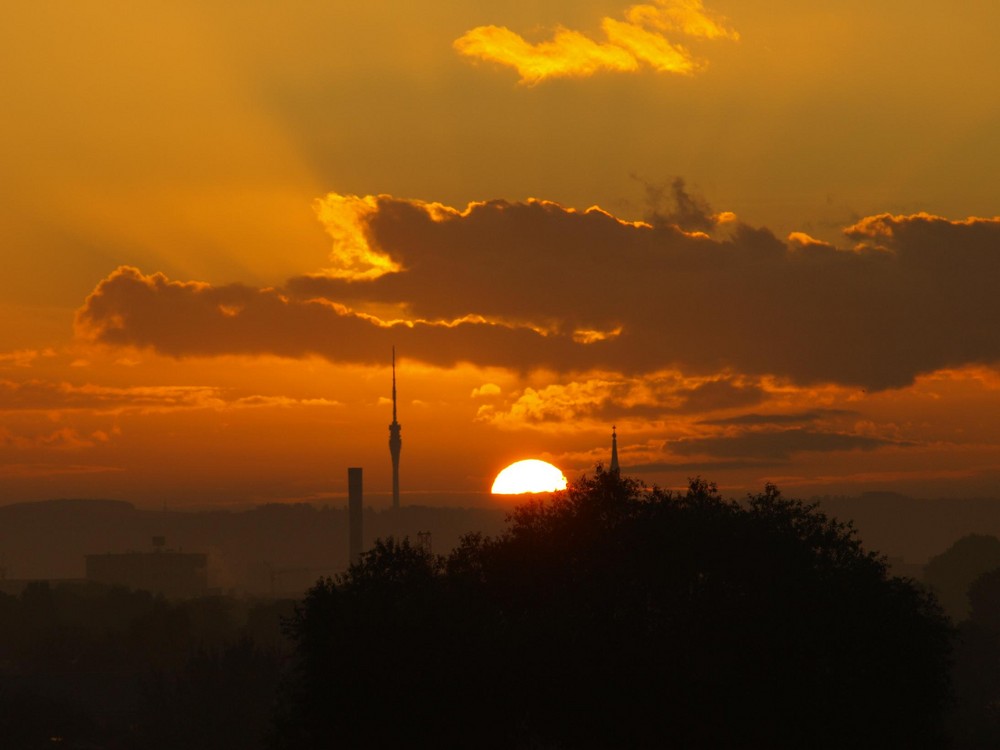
[(950, 574), (83, 666), (614, 615)]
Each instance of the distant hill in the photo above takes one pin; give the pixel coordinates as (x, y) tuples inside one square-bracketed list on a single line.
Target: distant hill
[(911, 528), (283, 548), (71, 504)]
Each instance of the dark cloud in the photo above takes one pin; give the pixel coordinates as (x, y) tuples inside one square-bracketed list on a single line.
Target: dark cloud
[(673, 204), (712, 396), (698, 467), (778, 419), (916, 294), (720, 394), (774, 446), (185, 319)]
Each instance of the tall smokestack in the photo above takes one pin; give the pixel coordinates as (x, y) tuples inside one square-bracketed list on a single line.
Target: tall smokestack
[(395, 442), (354, 511)]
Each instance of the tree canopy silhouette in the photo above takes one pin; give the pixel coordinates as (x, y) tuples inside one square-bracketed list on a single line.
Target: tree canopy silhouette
[(950, 573), (615, 615), (975, 720)]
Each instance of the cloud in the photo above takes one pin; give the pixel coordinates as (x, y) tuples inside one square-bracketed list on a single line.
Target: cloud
[(43, 395), (720, 393), (698, 467), (486, 390), (556, 403), (184, 319), (63, 438), (686, 16), (568, 53), (513, 284), (609, 399), (61, 397), (804, 241), (35, 470), (777, 445), (345, 218), (778, 419), (23, 357), (673, 204), (638, 40)]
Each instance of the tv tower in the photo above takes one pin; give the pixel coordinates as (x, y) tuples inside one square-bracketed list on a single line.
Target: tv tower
[(395, 442), (614, 451)]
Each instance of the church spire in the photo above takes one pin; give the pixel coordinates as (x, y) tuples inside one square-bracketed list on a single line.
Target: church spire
[(395, 442), (614, 450)]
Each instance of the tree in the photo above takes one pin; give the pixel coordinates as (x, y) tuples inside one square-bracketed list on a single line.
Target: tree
[(952, 572), (975, 718), (614, 615), (984, 600), (221, 697)]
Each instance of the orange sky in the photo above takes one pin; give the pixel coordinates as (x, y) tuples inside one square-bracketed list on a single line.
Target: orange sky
[(743, 232)]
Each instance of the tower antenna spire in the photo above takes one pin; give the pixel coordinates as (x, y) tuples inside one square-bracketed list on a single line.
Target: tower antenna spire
[(395, 441), (614, 450)]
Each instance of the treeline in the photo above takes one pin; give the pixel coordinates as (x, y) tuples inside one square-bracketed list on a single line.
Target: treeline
[(84, 666), (623, 616), (966, 579)]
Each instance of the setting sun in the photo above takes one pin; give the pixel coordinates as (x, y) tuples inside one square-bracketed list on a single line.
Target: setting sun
[(530, 475)]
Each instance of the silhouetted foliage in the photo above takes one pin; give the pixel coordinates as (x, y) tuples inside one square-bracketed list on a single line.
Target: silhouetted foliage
[(614, 615), (975, 720), (221, 698), (99, 667), (984, 600), (952, 572)]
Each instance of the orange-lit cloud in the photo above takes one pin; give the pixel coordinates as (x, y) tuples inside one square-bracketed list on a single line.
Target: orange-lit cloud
[(486, 390), (666, 425), (62, 397), (686, 16), (63, 438), (513, 284), (568, 53), (803, 240), (345, 219), (590, 336), (608, 397), (640, 39), (37, 470), (23, 357)]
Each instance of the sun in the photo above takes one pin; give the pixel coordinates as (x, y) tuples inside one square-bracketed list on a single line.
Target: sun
[(530, 475)]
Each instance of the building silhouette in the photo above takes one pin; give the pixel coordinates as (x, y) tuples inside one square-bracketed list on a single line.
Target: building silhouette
[(175, 575), (614, 451), (395, 442)]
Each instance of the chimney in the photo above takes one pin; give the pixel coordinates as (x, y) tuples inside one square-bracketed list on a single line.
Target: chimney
[(355, 509)]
